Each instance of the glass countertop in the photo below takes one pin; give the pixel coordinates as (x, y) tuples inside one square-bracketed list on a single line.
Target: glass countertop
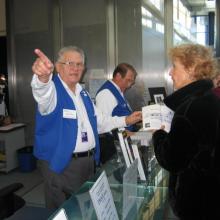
[(150, 202)]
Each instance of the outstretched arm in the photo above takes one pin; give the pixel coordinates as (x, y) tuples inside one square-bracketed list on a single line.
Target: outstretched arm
[(42, 66), (43, 88)]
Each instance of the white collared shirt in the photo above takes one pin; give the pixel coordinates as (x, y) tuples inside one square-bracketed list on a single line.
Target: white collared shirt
[(45, 96), (107, 107)]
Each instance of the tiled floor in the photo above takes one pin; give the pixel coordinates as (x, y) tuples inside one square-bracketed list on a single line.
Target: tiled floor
[(32, 192), (35, 196)]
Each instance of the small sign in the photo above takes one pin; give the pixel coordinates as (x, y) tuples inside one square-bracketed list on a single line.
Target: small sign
[(61, 215), (102, 199)]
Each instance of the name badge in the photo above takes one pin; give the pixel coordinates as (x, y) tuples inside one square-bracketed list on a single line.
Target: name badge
[(84, 136), (68, 113)]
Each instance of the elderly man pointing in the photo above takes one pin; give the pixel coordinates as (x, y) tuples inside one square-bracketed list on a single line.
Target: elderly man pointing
[(67, 124)]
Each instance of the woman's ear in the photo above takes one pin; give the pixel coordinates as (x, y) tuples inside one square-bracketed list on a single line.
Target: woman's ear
[(190, 72)]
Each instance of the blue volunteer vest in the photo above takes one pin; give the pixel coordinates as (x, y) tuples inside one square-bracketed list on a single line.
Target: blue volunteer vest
[(122, 108), (55, 136)]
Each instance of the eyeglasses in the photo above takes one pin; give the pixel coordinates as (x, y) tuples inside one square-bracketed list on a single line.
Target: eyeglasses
[(73, 64)]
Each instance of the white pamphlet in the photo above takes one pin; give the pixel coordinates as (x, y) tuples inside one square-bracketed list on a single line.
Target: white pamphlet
[(156, 115), (102, 199)]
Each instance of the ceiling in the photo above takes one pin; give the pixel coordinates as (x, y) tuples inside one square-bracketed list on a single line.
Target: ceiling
[(199, 6)]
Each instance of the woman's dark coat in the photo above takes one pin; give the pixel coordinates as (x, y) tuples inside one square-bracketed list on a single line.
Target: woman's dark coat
[(186, 151)]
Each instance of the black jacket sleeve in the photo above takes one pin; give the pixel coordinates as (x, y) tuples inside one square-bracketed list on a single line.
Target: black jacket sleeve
[(174, 150)]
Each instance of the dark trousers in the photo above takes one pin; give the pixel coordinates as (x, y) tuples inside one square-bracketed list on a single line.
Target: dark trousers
[(107, 147), (59, 187)]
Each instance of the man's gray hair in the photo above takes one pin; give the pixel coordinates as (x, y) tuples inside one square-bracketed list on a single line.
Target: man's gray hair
[(71, 49)]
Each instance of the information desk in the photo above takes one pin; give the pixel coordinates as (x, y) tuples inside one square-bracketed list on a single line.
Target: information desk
[(150, 202)]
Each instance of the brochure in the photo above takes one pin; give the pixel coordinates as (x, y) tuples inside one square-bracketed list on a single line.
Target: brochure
[(156, 115)]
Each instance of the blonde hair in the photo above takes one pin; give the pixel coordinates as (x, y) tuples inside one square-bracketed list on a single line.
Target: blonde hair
[(216, 78), (217, 66), (197, 57)]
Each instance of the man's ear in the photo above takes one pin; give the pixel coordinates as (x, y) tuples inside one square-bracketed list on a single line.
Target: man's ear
[(118, 76)]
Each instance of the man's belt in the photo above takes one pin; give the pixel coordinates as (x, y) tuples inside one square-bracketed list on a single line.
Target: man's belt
[(88, 153)]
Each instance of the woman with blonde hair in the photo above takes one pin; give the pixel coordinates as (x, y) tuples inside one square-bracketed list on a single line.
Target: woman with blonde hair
[(216, 79), (190, 151)]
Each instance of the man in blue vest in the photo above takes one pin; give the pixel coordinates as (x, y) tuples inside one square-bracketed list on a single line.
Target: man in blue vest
[(111, 101), (67, 124), (113, 90)]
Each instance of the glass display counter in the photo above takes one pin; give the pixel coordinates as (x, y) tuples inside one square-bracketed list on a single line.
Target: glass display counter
[(150, 201)]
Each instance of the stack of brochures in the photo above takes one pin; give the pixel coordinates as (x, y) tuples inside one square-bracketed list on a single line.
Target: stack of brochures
[(155, 116)]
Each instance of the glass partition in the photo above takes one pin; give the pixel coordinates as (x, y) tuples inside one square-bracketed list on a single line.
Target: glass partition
[(150, 201)]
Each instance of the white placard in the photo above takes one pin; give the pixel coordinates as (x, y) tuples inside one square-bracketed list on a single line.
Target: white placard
[(61, 215), (124, 148), (140, 165), (102, 199)]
